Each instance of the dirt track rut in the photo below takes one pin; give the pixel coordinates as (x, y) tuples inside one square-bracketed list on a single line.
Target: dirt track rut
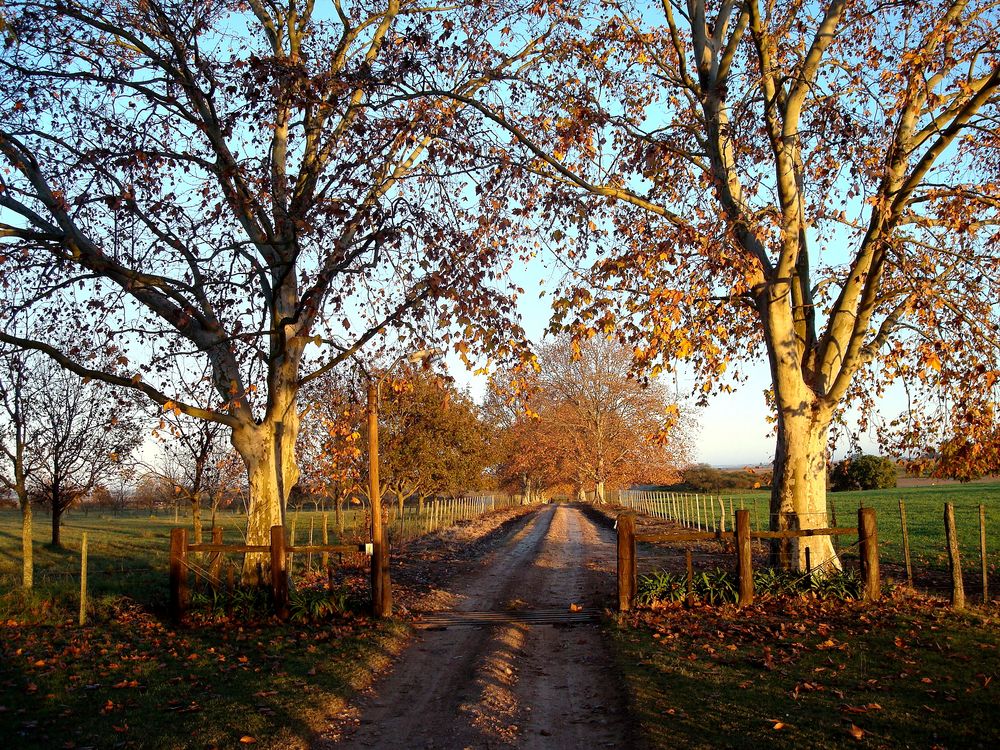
[(514, 684)]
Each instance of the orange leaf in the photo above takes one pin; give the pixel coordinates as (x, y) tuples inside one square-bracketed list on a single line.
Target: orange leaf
[(246, 739), (856, 732)]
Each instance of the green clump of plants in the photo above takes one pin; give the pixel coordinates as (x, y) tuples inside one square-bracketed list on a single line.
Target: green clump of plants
[(717, 586), (253, 603), (317, 604)]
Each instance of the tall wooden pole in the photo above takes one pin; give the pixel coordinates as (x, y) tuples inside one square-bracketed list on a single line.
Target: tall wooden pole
[(381, 587), (906, 543), (178, 573), (279, 572), (83, 579), (954, 559), (982, 553)]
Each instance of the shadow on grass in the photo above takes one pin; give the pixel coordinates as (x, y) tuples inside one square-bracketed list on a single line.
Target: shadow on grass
[(895, 676), (135, 682)]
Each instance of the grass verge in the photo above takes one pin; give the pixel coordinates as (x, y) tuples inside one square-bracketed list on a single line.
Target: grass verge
[(802, 673)]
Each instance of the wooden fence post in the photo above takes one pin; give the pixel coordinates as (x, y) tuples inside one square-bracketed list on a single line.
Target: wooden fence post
[(178, 573), (279, 575), (326, 540), (868, 551), (215, 566), (744, 559), (83, 579), (982, 552), (627, 573), (906, 543), (954, 560)]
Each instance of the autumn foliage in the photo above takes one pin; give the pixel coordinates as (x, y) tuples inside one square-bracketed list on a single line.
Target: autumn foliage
[(581, 424)]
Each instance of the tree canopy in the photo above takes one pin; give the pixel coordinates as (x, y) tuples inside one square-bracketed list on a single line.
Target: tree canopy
[(253, 186), (814, 184)]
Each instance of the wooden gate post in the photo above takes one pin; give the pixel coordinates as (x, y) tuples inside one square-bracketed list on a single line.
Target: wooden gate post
[(178, 574), (279, 575), (744, 559), (868, 550), (954, 560), (627, 573)]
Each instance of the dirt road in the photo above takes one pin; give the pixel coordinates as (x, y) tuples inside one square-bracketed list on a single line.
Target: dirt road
[(517, 683)]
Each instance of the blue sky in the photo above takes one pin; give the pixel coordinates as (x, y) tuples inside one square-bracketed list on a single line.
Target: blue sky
[(734, 430)]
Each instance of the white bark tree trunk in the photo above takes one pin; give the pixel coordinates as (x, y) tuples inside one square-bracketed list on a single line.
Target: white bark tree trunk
[(798, 487), (798, 494), (268, 451)]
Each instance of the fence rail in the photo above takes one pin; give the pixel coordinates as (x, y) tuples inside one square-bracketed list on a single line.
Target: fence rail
[(180, 564), (628, 538)]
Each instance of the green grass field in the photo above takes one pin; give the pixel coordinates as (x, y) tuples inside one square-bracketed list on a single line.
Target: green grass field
[(925, 522), (130, 679), (127, 553)]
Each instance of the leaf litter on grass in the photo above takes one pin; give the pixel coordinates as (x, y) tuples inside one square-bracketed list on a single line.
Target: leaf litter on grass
[(820, 672)]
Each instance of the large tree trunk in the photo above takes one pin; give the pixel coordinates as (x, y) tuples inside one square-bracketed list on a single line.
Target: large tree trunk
[(599, 494), (798, 490), (268, 451)]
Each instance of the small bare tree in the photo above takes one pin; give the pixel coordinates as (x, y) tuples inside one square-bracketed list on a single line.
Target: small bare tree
[(82, 435), (17, 391)]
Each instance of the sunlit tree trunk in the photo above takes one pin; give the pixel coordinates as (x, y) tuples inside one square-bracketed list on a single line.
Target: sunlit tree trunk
[(268, 450), (798, 494)]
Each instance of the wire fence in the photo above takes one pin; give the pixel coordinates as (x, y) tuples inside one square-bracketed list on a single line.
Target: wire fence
[(697, 511), (913, 542)]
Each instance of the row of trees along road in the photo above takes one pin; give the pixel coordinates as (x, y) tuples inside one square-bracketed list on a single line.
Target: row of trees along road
[(432, 439), (269, 191), (580, 424)]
